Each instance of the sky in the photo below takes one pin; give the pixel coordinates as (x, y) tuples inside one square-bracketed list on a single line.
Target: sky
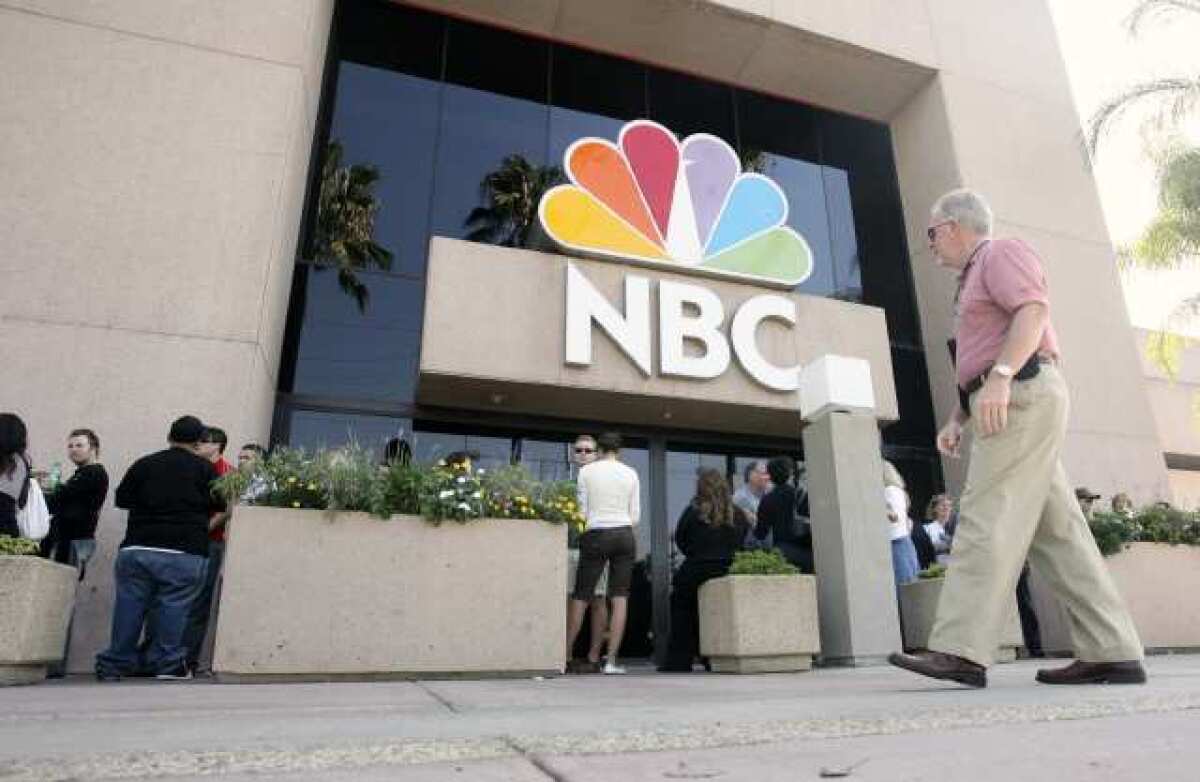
[(1102, 58)]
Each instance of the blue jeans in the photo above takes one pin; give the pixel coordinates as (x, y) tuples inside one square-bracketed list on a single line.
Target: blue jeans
[(155, 588), (905, 565), (197, 624)]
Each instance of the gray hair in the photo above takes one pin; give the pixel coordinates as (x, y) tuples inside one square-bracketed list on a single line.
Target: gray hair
[(751, 467), (965, 207)]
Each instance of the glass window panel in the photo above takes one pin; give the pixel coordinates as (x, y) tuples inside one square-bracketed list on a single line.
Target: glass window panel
[(310, 429), (844, 244), (497, 61), (639, 460), (568, 126), (388, 35), (390, 121), (688, 105), (916, 426), (804, 187), (767, 124), (429, 447), (547, 460), (343, 352), (597, 84), (479, 130)]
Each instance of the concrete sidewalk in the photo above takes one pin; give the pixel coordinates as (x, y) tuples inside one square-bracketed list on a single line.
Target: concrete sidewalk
[(869, 724)]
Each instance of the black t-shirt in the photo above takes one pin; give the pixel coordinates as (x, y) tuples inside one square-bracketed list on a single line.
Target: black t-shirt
[(776, 514), (169, 498), (703, 542), (76, 504)]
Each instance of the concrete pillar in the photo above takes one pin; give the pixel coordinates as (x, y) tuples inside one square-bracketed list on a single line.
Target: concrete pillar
[(856, 594)]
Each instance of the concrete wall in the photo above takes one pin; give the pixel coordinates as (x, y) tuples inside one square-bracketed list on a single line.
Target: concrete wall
[(509, 354), (154, 156), (361, 596)]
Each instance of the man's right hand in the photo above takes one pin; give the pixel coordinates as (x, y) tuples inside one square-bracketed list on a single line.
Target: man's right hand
[(950, 438)]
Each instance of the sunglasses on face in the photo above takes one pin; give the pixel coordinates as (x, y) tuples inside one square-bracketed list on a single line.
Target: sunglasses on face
[(585, 450), (932, 230)]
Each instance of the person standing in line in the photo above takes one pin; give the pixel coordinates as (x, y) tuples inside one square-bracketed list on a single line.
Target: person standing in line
[(711, 529), (1087, 501), (75, 505), (1018, 503), (905, 565), (248, 457), (780, 515), (160, 565), (756, 482), (14, 471), (610, 500), (212, 447), (584, 453)]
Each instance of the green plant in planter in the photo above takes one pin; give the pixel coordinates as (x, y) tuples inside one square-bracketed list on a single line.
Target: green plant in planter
[(352, 479), (18, 546), (510, 493), (762, 563), (452, 492), (399, 490), (1111, 531), (933, 571)]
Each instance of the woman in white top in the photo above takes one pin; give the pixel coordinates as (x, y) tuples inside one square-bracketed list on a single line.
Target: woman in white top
[(937, 527), (609, 498), (905, 565)]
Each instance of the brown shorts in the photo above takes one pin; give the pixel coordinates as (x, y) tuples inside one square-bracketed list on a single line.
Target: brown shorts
[(614, 546)]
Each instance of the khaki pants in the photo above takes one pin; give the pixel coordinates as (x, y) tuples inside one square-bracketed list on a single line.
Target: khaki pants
[(1018, 503)]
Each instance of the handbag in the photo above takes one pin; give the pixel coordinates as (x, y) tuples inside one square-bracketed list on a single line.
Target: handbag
[(33, 520)]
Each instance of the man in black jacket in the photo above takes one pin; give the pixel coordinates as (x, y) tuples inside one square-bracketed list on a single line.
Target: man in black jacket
[(160, 566), (75, 505)]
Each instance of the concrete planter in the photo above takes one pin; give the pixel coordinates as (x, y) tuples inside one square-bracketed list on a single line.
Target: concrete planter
[(918, 609), (759, 624), (36, 597), (313, 595), (1161, 586)]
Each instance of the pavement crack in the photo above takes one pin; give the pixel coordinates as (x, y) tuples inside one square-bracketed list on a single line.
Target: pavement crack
[(533, 759), (437, 696)]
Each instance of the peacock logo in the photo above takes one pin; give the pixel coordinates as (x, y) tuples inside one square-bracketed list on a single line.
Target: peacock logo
[(653, 199)]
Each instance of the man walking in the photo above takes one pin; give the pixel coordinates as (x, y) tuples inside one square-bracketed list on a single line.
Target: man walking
[(1018, 502), (161, 562)]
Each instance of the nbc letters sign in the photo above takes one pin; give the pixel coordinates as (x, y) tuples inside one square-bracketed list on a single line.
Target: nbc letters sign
[(685, 206)]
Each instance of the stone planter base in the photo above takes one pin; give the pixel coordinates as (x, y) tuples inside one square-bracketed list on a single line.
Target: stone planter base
[(37, 597), (759, 624), (312, 596), (918, 609)]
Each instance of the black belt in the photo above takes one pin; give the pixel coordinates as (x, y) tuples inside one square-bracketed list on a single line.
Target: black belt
[(1027, 372)]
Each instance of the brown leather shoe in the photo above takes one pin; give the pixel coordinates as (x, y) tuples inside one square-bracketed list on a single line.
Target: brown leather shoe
[(941, 666), (1079, 672)]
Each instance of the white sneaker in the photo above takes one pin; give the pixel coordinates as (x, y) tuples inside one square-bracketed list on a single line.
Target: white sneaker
[(612, 669)]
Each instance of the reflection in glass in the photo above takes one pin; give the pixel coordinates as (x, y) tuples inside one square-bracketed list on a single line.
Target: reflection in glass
[(430, 447), (846, 271), (343, 352), (389, 120), (312, 429), (547, 460), (478, 131)]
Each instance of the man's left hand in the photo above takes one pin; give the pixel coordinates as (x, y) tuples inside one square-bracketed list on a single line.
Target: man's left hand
[(993, 405)]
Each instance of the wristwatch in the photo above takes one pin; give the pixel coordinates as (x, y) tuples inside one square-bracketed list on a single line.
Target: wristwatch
[(1004, 370)]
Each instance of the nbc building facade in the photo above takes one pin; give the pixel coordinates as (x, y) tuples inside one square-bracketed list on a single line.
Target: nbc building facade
[(163, 166)]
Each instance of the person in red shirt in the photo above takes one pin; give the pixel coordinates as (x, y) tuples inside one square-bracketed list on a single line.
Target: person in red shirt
[(212, 447), (1018, 502)]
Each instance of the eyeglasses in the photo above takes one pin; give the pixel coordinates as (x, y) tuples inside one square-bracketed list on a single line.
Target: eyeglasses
[(585, 450), (931, 231)]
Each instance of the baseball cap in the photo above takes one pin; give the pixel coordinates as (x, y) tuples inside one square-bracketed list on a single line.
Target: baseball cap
[(1084, 493)]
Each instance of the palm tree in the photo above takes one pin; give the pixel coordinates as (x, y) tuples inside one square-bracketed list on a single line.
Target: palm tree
[(511, 194), (345, 224), (1175, 96)]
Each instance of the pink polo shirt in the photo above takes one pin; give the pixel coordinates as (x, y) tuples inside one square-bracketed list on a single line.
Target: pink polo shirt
[(1004, 275)]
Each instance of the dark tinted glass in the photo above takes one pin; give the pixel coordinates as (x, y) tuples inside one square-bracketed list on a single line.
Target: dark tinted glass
[(343, 352), (916, 426), (387, 35), (312, 429), (843, 240), (479, 130), (389, 121), (597, 84), (864, 150), (767, 124), (497, 61), (689, 105)]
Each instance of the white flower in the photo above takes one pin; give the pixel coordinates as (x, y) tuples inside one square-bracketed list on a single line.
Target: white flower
[(479, 471), (461, 479), (463, 506), (478, 494), (444, 494)]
